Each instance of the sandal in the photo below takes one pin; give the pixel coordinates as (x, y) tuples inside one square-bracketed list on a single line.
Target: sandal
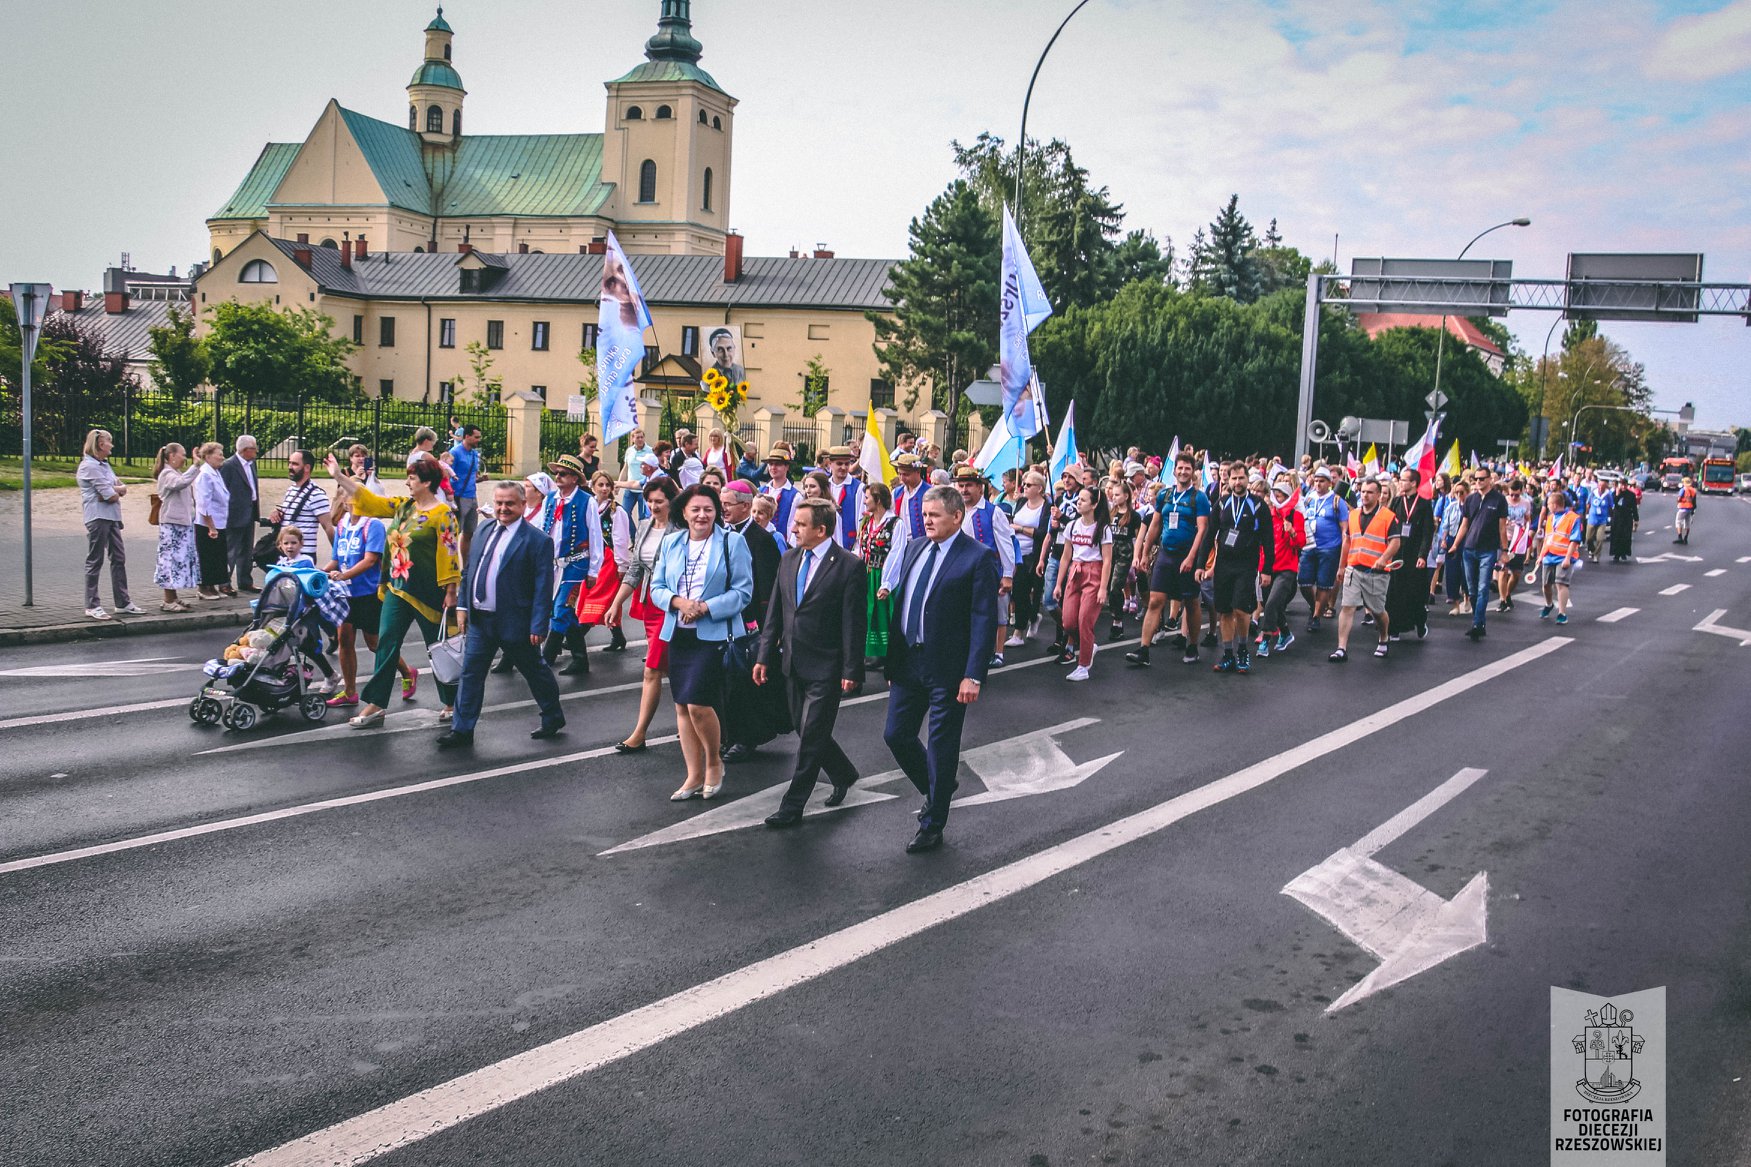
[(366, 720), (1338, 656), (1380, 649), (178, 606), (409, 684)]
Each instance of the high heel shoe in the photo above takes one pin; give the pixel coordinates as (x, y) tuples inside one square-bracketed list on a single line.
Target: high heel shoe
[(686, 793)]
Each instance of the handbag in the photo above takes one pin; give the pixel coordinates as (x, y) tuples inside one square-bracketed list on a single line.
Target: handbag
[(446, 652), (152, 515)]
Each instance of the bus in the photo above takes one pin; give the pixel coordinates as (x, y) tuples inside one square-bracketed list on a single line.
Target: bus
[(1717, 476), (1674, 470)]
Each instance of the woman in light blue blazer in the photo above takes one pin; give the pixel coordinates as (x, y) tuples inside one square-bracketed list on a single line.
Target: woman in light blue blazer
[(703, 580)]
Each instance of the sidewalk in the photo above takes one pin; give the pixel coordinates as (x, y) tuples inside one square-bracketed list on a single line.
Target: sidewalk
[(58, 554)]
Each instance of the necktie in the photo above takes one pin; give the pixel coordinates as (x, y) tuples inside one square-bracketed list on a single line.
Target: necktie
[(915, 608), (802, 576), (484, 575)]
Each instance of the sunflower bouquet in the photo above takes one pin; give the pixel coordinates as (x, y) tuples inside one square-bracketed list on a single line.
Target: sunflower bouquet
[(724, 397)]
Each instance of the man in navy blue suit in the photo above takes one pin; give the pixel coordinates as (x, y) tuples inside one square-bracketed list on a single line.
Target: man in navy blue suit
[(945, 602), (506, 598)]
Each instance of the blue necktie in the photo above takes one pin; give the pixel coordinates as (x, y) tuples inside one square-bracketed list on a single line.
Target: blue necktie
[(802, 576), (915, 609), (485, 569)]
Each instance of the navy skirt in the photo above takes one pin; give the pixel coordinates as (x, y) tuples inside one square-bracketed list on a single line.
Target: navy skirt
[(696, 669)]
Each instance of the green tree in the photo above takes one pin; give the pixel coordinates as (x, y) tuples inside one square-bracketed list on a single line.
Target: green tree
[(1139, 257), (588, 387), (485, 387), (83, 386), (257, 349), (942, 333), (815, 381), (12, 358), (180, 364), (1280, 266), (1228, 264)]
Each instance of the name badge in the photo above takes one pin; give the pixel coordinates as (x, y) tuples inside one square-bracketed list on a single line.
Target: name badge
[(1404, 531), (1232, 539), (1173, 521)]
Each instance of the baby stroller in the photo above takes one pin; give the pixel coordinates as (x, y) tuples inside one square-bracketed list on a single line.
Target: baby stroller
[(273, 664)]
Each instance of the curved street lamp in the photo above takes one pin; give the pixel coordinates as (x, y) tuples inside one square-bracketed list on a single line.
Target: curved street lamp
[(1441, 344), (1021, 146)]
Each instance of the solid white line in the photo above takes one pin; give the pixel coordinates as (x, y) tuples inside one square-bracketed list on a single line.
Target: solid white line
[(1619, 614), (1674, 589), (290, 812), (1416, 812), (408, 1120), (1715, 572), (84, 714)]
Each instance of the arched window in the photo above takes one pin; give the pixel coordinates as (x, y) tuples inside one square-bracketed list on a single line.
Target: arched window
[(708, 188), (217, 255), (446, 52), (634, 114), (703, 120), (434, 120), (664, 113), (413, 117), (330, 244), (536, 251), (717, 123), (258, 271), (419, 250), (647, 181), (456, 123)]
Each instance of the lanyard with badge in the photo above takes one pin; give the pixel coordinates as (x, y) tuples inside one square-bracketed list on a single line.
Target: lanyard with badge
[(1176, 499), (1236, 508)]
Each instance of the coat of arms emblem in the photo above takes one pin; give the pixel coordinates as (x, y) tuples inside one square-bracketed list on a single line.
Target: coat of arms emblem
[(1609, 1046)]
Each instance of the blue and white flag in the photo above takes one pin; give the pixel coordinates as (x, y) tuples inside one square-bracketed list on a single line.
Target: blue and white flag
[(621, 320), (1022, 308), (1064, 451)]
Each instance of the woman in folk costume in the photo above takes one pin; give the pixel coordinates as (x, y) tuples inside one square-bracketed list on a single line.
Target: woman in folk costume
[(570, 518), (595, 601)]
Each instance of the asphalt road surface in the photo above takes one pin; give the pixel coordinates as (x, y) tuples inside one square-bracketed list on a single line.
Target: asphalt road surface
[(311, 945)]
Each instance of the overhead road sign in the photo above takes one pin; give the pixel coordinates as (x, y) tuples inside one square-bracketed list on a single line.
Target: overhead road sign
[(1624, 286), (1456, 287)]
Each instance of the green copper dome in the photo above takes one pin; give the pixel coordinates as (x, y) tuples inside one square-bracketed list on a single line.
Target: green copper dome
[(674, 40), (436, 73), (439, 24)]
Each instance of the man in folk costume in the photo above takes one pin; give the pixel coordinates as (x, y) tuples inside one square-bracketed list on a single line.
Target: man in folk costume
[(781, 490), (985, 521), (846, 494), (571, 520)]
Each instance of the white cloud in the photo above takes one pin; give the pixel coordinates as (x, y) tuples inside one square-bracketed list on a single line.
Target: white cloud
[(1701, 48)]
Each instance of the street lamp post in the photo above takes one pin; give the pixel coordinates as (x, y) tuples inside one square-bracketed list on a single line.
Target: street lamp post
[(1575, 422), (1441, 344), (1541, 440), (1021, 145)]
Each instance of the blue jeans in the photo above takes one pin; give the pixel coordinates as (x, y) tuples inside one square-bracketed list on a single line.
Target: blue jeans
[(1480, 568), (1050, 602)]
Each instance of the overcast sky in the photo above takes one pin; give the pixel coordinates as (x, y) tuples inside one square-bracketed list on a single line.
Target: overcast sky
[(1401, 127)]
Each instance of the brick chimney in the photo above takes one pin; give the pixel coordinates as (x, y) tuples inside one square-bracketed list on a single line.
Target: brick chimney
[(303, 237), (598, 247), (465, 248), (732, 258), (522, 249), (115, 303), (793, 254), (822, 252), (301, 257), (72, 301), (346, 250), (359, 249), (115, 291)]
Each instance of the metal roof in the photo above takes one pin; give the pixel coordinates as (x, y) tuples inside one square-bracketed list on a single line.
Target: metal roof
[(670, 71), (393, 153), (125, 334), (675, 280), (525, 174), (250, 201), (437, 73), (439, 24)]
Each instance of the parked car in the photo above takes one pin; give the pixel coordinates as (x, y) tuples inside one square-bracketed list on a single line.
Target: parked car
[(1644, 480), (1745, 484)]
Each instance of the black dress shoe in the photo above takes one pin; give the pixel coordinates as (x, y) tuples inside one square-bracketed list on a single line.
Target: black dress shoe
[(738, 752), (784, 818), (450, 739), (924, 840), (839, 793), (580, 667), (623, 748), (547, 731)]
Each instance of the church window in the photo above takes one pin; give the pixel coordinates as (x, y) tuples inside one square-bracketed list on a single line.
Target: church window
[(664, 113), (446, 52), (647, 181), (413, 117), (434, 120), (703, 120), (258, 271), (708, 188), (717, 123), (330, 244), (456, 123), (419, 251), (217, 255), (634, 114)]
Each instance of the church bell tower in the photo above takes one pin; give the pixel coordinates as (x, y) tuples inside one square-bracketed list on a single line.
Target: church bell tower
[(434, 96)]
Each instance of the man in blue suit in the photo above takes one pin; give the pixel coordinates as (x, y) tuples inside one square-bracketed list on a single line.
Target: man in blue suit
[(945, 602), (506, 598)]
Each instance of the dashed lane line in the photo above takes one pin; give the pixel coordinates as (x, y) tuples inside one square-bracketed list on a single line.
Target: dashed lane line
[(408, 1120), (1620, 614), (1714, 572), (1674, 589)]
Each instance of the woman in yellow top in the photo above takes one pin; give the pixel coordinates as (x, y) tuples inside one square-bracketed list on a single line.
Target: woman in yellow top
[(421, 577)]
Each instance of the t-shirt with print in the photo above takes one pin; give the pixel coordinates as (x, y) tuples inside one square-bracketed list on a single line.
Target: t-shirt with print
[(1085, 539), (1180, 510), (355, 538), (1483, 513), (1326, 515)]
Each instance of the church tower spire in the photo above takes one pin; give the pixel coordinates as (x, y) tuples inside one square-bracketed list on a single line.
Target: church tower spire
[(434, 96), (674, 40)]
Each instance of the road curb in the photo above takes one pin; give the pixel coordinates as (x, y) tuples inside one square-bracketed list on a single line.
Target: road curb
[(117, 628)]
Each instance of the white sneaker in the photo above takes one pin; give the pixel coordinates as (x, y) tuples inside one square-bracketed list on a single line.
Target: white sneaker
[(1077, 674), (132, 610), (97, 613), (1015, 641)]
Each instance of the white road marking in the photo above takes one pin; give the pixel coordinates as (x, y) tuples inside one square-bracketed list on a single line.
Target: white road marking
[(289, 812), (1674, 589), (1030, 763), (1743, 559), (1668, 557), (1409, 927), (1710, 574), (448, 1104), (145, 666), (1619, 614), (1709, 624), (93, 714)]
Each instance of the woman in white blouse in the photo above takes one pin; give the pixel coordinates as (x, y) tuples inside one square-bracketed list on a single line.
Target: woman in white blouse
[(212, 501)]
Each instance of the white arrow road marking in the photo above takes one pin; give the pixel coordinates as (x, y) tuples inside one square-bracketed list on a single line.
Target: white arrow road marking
[(1714, 572), (1409, 927), (1674, 589), (1030, 763), (144, 666), (1614, 616), (1709, 625)]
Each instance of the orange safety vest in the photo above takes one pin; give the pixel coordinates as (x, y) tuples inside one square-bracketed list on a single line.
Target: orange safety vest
[(1562, 536), (1687, 498), (1368, 548)]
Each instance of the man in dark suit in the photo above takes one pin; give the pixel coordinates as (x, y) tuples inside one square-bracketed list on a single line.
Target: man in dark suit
[(239, 475), (945, 604), (506, 598), (819, 618), (752, 716)]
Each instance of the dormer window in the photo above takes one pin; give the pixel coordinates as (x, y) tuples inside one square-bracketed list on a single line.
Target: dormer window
[(258, 271), (434, 120), (634, 114), (664, 113)]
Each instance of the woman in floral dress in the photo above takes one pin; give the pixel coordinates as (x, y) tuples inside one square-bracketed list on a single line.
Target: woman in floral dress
[(875, 542), (420, 585)]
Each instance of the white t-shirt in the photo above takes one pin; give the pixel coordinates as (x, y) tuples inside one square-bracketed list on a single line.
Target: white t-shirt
[(1026, 516), (1085, 539)]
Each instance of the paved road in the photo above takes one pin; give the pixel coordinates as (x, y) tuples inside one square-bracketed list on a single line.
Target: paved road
[(1107, 971)]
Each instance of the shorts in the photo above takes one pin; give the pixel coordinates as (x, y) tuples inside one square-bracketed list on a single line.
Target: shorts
[(1319, 568), (1366, 589), (1511, 563), (1235, 589), (1558, 572), (365, 613), (1168, 579), (467, 514)]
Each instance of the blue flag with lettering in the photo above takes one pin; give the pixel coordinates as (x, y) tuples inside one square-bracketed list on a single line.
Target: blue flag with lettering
[(1021, 309), (621, 320), (1064, 452)]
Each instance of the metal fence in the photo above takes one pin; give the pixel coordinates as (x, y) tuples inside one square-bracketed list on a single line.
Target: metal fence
[(560, 434)]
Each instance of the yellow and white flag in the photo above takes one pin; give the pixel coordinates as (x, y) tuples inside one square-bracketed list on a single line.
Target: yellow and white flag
[(873, 457)]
